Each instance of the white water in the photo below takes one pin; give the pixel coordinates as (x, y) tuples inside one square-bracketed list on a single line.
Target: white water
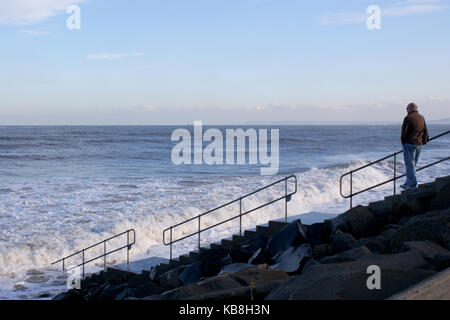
[(43, 222)]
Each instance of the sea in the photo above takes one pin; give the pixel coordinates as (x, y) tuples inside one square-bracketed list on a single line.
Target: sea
[(64, 188)]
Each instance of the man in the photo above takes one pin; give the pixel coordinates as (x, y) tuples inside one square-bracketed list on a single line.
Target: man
[(414, 136)]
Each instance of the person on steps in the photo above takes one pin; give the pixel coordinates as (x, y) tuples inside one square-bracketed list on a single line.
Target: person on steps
[(414, 136)]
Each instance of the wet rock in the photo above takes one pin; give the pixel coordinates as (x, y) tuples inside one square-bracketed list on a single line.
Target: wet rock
[(343, 241), (349, 255), (428, 249), (285, 237), (292, 259), (361, 222), (36, 279), (436, 229), (34, 272), (244, 252), (20, 287)]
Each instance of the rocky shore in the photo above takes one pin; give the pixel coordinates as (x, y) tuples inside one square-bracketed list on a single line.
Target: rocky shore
[(407, 236)]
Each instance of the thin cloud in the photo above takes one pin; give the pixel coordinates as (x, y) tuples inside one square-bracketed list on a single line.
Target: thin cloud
[(35, 32), (26, 12), (147, 107), (403, 8), (113, 56)]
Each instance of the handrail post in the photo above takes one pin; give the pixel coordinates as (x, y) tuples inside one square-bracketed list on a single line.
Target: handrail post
[(104, 254), (199, 232), (63, 260), (240, 216), (395, 172), (285, 200), (351, 189), (128, 248), (170, 243), (83, 263)]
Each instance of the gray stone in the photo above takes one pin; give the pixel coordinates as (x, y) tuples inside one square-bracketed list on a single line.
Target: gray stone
[(235, 267), (436, 229), (441, 200), (349, 255), (343, 241), (428, 249), (111, 291), (36, 279), (254, 276), (70, 295), (340, 284), (148, 289), (291, 259), (361, 222), (170, 279)]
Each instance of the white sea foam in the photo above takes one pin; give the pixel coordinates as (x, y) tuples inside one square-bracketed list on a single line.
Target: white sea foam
[(43, 222)]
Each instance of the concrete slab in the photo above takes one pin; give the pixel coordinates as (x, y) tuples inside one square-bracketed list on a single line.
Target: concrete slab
[(140, 265)]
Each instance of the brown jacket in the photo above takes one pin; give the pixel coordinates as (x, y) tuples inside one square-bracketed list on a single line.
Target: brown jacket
[(414, 129)]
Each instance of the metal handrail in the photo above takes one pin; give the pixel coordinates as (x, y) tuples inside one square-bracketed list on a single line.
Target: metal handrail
[(287, 196), (128, 246), (395, 177)]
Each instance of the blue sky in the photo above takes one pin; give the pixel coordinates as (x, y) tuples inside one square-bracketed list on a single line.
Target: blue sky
[(222, 61)]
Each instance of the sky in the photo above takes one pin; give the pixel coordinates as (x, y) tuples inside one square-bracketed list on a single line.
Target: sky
[(139, 62)]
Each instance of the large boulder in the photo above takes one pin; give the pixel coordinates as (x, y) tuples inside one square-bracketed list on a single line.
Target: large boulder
[(343, 241), (361, 222), (293, 232), (349, 255), (442, 199), (342, 284), (428, 249), (292, 259), (251, 277), (319, 233), (436, 229)]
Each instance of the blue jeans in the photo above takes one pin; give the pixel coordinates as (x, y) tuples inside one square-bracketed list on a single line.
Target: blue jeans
[(411, 153)]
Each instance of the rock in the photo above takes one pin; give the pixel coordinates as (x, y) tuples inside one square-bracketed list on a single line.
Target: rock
[(285, 237), (343, 241), (361, 222), (428, 249), (138, 280), (349, 255), (244, 253), (34, 272), (441, 262), (319, 233), (147, 289), (70, 295), (254, 276), (20, 287), (442, 199), (292, 259), (111, 291), (235, 267), (170, 279), (345, 284), (399, 211), (259, 257), (375, 244), (436, 229), (36, 279), (322, 250)]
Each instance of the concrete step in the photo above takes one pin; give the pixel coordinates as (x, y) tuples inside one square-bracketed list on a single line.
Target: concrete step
[(185, 259), (275, 226), (251, 234), (264, 230), (238, 240), (441, 182)]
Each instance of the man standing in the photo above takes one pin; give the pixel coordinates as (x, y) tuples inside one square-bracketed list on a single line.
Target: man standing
[(414, 136)]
